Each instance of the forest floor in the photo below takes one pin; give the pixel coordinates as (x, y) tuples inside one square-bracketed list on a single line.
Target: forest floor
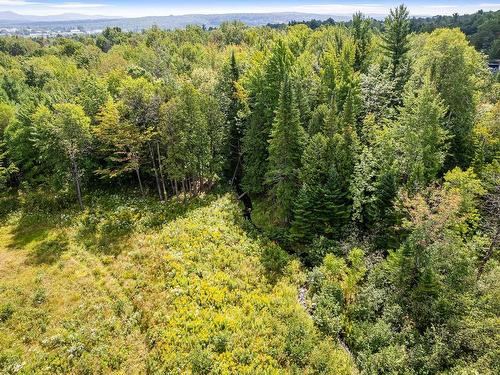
[(139, 287)]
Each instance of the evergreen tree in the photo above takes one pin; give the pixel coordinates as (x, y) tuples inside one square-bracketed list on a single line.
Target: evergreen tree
[(318, 119), (395, 37), (264, 92), (360, 29), (255, 145), (285, 150), (337, 70), (320, 208)]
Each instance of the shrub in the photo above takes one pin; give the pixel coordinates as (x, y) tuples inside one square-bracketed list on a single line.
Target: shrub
[(274, 259), (6, 311)]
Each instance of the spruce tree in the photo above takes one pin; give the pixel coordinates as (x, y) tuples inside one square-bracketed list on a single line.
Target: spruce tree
[(255, 140), (285, 150), (361, 32), (395, 37), (396, 46), (321, 207), (265, 84)]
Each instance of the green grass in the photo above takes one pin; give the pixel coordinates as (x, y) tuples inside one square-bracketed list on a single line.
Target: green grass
[(136, 286)]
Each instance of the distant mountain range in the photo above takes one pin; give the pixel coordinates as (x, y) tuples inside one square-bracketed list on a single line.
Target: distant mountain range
[(70, 21), (12, 17)]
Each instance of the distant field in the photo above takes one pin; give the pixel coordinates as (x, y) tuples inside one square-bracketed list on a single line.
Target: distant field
[(127, 289)]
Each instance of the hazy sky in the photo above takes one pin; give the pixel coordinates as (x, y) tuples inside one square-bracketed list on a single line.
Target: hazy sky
[(131, 8)]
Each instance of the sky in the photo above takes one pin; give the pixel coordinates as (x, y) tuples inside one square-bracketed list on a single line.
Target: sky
[(129, 8)]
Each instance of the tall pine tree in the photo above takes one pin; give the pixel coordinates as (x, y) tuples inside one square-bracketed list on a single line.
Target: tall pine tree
[(285, 150), (264, 92)]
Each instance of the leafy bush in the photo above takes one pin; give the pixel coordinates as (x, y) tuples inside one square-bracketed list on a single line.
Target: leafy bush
[(8, 204), (274, 259), (6, 311)]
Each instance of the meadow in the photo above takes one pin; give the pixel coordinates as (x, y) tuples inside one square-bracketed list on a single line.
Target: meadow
[(129, 287)]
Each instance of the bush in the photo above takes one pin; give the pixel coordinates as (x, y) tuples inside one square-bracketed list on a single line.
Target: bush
[(274, 259), (8, 204), (327, 314), (6, 311), (45, 200), (201, 361), (320, 247)]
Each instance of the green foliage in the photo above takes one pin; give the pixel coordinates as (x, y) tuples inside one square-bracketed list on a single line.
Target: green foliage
[(486, 136), (320, 205), (6, 311), (360, 28), (397, 28), (285, 148), (122, 141), (265, 88), (457, 70), (274, 259), (336, 138), (334, 286), (421, 137)]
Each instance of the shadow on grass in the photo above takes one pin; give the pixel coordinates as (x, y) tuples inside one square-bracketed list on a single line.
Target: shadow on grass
[(32, 228), (107, 226), (104, 226), (8, 204), (272, 241), (48, 251)]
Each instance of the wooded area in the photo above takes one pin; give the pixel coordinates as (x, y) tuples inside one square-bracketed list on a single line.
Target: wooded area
[(369, 153)]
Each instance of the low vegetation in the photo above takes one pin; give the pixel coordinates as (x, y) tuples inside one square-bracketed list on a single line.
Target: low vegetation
[(166, 293)]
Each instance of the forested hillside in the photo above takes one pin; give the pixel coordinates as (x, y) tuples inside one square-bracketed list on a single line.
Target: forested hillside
[(481, 28), (250, 200)]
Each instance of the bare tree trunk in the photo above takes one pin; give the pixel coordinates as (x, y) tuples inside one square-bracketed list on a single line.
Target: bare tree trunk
[(184, 190), (156, 172), (160, 167), (140, 181), (176, 189), (195, 186), (76, 178)]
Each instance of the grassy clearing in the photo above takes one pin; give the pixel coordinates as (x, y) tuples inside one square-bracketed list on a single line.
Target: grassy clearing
[(140, 287)]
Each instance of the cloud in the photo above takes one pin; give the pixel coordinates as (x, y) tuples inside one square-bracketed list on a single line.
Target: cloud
[(17, 3), (75, 5), (341, 8)]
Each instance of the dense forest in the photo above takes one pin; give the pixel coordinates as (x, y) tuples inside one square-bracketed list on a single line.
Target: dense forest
[(481, 28), (252, 200)]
